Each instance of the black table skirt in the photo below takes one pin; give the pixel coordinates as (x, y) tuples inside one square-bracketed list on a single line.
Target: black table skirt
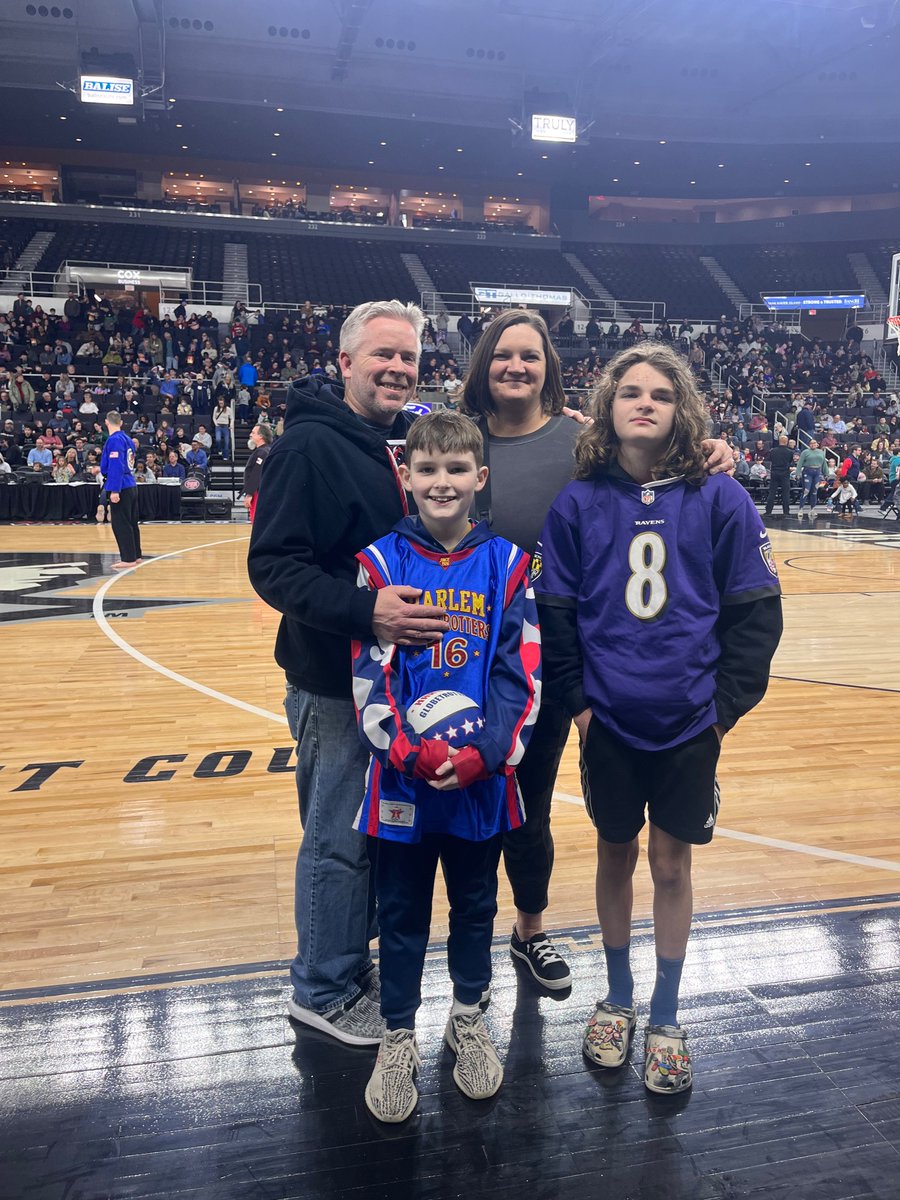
[(46, 502)]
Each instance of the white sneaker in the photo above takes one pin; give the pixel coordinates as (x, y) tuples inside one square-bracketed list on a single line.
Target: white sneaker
[(391, 1093), (478, 1072)]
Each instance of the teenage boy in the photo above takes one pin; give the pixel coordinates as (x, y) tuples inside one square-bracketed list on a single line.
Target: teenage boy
[(427, 801), (661, 610)]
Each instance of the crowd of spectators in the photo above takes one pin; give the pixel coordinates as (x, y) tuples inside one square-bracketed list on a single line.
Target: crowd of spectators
[(774, 375), (177, 383), (183, 384)]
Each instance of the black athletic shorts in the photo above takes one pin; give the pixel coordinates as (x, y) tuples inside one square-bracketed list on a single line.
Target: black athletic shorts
[(677, 787)]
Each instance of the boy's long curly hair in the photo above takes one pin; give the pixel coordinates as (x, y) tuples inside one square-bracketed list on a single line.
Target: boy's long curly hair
[(597, 444)]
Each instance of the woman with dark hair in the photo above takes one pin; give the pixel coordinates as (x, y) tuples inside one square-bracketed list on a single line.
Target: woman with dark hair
[(514, 391)]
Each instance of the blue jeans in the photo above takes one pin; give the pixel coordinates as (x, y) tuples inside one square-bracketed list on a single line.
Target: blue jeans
[(334, 897), (812, 476), (223, 440)]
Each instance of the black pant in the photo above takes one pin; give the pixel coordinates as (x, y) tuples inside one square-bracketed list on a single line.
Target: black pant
[(404, 886), (528, 850), (125, 525), (779, 481)]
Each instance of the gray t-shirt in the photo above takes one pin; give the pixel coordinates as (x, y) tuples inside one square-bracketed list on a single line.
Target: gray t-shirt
[(527, 474)]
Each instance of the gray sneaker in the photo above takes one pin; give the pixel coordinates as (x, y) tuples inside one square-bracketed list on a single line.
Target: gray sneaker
[(370, 982), (478, 1072), (391, 1093), (356, 1023)]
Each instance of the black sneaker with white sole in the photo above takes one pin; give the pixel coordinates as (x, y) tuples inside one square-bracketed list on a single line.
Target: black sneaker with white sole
[(542, 959)]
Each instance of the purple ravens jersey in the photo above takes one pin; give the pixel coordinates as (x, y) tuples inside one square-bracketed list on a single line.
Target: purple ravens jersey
[(490, 653), (648, 569)]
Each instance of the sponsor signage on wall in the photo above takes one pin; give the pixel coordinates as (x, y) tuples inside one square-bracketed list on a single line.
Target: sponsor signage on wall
[(106, 89), (842, 300), (127, 277), (547, 128), (501, 295)]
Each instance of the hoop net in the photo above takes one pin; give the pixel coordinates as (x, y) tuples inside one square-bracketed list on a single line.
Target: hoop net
[(894, 325)]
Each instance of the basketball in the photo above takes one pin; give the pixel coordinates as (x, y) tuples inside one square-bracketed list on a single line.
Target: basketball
[(446, 716)]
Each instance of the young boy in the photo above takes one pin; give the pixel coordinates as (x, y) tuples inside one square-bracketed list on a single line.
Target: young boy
[(843, 498), (661, 610), (427, 801)]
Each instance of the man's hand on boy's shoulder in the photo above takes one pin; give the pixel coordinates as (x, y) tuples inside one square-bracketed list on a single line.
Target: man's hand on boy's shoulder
[(718, 455), (399, 620)]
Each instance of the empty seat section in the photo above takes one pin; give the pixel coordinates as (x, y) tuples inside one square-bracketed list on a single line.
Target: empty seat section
[(454, 267), (804, 267), (328, 270)]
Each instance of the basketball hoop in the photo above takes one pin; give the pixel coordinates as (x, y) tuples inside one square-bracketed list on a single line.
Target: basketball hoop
[(894, 325)]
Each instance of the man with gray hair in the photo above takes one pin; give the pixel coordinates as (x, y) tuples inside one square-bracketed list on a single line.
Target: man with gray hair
[(330, 487)]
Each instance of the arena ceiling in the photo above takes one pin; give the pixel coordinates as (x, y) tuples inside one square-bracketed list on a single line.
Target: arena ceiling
[(664, 91)]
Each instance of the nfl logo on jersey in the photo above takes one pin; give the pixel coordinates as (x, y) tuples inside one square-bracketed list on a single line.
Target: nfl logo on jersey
[(647, 496), (447, 717)]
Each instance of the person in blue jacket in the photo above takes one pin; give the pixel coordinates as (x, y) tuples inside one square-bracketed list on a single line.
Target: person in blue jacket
[(117, 469), (196, 456), (427, 799)]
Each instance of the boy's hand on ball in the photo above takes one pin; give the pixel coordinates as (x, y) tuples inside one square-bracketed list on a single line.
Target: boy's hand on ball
[(446, 780)]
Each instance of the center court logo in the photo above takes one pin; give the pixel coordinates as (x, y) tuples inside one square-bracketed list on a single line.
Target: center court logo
[(54, 587)]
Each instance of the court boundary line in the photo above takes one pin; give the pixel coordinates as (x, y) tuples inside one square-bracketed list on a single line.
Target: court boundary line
[(859, 860), (145, 660), (859, 687)]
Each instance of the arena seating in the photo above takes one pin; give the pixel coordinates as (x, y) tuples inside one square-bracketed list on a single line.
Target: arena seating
[(453, 268), (15, 234), (332, 270), (341, 271), (673, 274), (200, 250), (879, 255), (806, 267)]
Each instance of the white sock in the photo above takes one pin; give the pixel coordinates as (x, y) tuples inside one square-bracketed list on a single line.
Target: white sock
[(458, 1007)]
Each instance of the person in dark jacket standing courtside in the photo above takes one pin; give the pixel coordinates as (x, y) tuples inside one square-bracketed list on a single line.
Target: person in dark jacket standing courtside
[(260, 443), (331, 487)]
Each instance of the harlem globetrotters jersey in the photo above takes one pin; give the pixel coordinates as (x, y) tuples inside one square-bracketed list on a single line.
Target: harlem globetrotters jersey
[(646, 571), (490, 653)]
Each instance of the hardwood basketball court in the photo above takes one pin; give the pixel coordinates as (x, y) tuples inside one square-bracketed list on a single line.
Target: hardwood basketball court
[(148, 832), (115, 866)]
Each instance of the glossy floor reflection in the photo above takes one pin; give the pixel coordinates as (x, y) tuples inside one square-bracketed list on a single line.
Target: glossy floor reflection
[(207, 1091)]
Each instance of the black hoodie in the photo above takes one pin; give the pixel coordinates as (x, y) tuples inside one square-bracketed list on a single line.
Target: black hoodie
[(329, 488)]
